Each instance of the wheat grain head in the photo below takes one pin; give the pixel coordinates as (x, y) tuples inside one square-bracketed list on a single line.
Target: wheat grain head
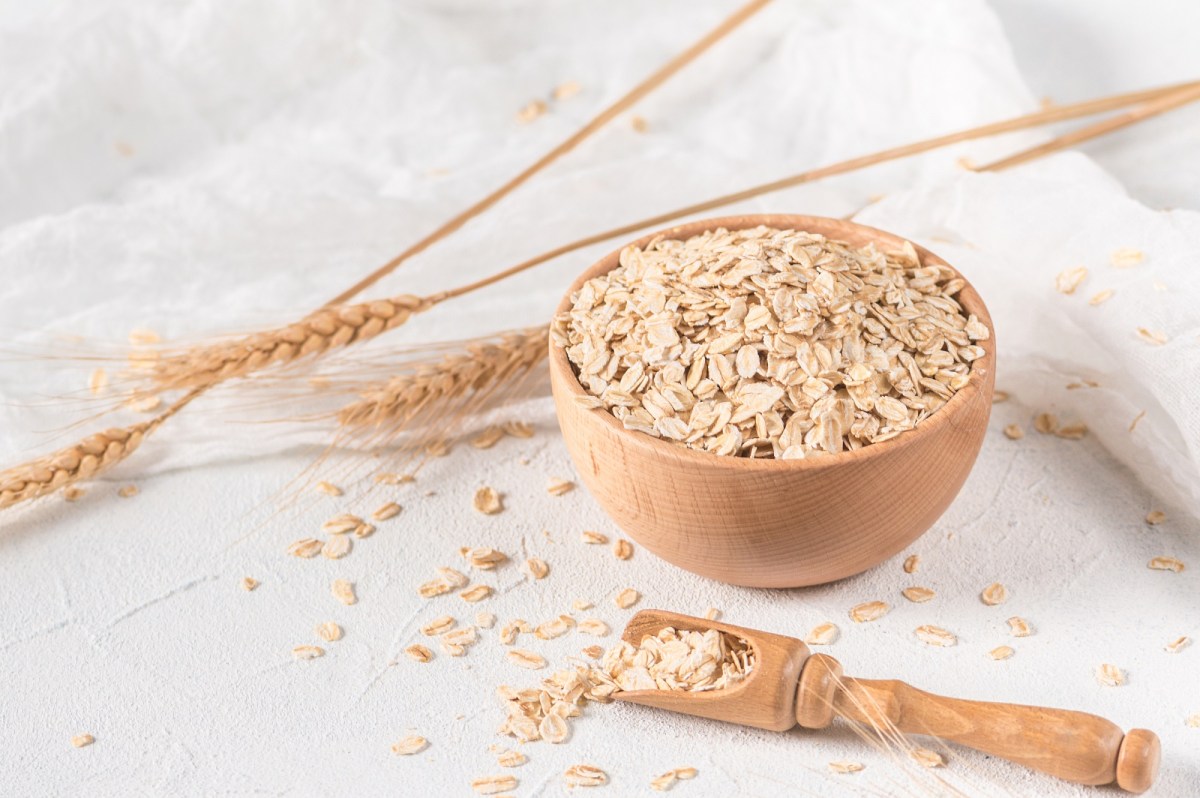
[(329, 328)]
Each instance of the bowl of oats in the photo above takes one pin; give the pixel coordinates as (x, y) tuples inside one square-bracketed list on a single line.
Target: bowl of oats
[(773, 400)]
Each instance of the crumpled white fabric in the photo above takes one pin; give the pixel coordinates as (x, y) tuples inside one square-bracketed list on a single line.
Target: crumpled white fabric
[(1011, 234)]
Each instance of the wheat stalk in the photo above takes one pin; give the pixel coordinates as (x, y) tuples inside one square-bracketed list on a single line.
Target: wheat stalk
[(81, 460), (477, 369), (329, 328)]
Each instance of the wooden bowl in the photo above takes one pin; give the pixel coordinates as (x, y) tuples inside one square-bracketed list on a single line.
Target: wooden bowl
[(766, 522)]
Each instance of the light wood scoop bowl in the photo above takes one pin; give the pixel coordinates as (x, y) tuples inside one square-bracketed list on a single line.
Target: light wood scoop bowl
[(788, 686), (766, 522)]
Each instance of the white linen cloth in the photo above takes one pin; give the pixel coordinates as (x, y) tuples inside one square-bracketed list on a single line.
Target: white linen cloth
[(202, 168)]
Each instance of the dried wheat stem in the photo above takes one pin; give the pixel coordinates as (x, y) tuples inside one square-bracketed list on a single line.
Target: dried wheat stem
[(329, 328), (624, 103), (1050, 115), (1160, 104), (477, 369), (90, 456)]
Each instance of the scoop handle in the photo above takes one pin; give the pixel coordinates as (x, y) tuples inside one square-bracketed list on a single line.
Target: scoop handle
[(1075, 746)]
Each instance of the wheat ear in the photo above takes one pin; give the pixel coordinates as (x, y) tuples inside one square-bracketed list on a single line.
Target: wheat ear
[(479, 368), (81, 460), (326, 329)]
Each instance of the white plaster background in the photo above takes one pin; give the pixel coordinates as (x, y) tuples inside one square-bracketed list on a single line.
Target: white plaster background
[(202, 167)]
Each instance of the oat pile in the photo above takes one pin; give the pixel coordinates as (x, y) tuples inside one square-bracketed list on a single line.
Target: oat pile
[(671, 660), (770, 343)]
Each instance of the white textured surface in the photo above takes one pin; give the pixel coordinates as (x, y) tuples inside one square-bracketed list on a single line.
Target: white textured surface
[(250, 161)]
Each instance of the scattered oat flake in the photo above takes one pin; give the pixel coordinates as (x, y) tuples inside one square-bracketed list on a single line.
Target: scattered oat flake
[(329, 631), (249, 583), (595, 538), (488, 438), (638, 124), (1166, 564), (927, 758), (389, 510), (1194, 721), (531, 111), (439, 625), (487, 501), (1178, 644), (822, 634), (409, 745), (485, 559), (1001, 652), (518, 429), (128, 491), (98, 381), (622, 549), (844, 766), (999, 397), (537, 567), (1155, 517), (594, 627), (328, 488), (341, 524), (1014, 432), (1125, 257), (364, 530), (306, 548), (1019, 627), (712, 614), (593, 652), (994, 594), (336, 547), (1072, 432), (474, 594), (485, 620), (917, 594), (627, 598), (1110, 675), (492, 785), (664, 782), (1100, 297), (526, 659), (390, 478), (419, 652), (510, 759), (1156, 337), (1068, 280), (82, 740), (935, 636), (308, 652), (73, 493), (567, 90), (558, 486), (579, 605), (585, 776), (911, 563), (685, 773), (1045, 423), (554, 728), (869, 611), (343, 591)]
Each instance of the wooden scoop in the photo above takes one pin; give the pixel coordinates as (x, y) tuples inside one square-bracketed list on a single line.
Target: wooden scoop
[(788, 686)]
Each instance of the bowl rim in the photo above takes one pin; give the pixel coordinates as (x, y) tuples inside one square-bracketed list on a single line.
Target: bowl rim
[(563, 372)]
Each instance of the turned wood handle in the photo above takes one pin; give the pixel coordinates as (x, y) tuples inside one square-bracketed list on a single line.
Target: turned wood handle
[(1075, 746)]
